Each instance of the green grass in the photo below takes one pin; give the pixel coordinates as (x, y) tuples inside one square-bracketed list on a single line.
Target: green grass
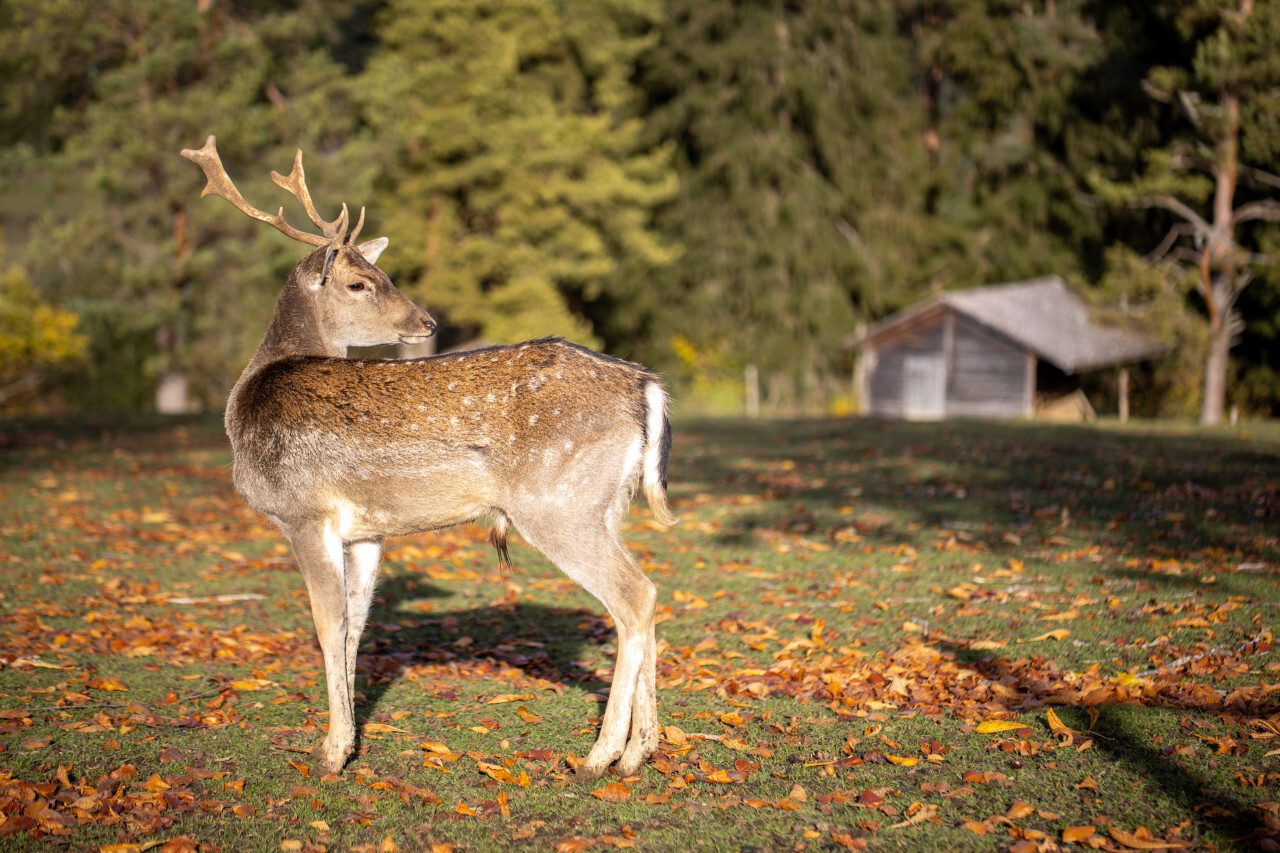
[(841, 607)]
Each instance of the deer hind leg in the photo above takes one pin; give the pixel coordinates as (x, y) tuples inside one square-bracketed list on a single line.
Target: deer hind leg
[(321, 557), (599, 562), (362, 574)]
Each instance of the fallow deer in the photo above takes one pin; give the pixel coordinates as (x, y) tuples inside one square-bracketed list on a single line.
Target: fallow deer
[(341, 453)]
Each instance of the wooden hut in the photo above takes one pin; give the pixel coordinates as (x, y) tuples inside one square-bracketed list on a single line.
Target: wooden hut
[(985, 353)]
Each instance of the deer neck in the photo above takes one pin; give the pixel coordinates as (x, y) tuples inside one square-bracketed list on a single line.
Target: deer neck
[(295, 330)]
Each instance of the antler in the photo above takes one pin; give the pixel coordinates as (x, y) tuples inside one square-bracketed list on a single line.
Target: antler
[(219, 184), (296, 184)]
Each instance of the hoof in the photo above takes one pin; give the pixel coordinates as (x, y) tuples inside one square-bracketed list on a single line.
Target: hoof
[(589, 773), (323, 765)]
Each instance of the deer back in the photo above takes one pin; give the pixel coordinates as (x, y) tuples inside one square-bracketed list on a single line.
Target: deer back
[(421, 444)]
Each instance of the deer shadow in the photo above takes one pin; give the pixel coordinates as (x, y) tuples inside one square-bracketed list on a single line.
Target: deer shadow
[(443, 649)]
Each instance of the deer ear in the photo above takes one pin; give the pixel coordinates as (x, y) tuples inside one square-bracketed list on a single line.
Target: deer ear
[(372, 249), (329, 257)]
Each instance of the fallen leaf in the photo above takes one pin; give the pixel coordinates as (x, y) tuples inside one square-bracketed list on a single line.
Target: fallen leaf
[(1060, 634), (992, 726), (1056, 726), (381, 729), (1143, 840), (614, 792), (574, 845), (1077, 833), (1019, 809), (975, 827), (920, 815)]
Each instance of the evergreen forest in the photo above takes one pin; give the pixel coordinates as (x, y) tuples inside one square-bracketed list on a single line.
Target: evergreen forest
[(712, 188)]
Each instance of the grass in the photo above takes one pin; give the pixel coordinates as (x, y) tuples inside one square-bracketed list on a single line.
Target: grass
[(843, 606)]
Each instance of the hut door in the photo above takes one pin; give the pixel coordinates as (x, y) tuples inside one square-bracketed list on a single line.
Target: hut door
[(926, 391)]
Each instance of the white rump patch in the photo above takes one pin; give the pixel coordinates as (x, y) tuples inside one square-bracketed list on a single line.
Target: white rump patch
[(656, 413)]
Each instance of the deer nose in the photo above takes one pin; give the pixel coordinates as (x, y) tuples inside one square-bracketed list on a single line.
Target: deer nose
[(429, 325)]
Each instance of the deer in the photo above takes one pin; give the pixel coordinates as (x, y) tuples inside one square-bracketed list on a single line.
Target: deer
[(546, 437)]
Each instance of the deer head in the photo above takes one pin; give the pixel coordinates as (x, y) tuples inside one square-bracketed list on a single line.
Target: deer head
[(336, 296)]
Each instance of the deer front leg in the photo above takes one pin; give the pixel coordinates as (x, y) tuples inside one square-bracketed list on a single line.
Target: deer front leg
[(321, 557)]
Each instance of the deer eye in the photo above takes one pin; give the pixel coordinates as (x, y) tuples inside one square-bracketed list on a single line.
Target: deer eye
[(356, 286)]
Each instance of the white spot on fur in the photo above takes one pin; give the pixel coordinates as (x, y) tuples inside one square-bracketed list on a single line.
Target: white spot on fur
[(533, 419)]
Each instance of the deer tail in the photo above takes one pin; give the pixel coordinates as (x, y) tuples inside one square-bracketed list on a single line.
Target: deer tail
[(657, 447)]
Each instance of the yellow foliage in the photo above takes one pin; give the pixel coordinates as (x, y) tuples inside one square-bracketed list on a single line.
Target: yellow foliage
[(34, 336)]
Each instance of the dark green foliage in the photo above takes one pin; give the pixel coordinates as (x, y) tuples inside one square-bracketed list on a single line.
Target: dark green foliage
[(703, 186)]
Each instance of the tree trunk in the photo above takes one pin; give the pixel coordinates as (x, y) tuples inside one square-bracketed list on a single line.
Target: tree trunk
[(1215, 372)]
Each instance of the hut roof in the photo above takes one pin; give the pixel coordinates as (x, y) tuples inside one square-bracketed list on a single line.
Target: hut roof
[(1042, 315)]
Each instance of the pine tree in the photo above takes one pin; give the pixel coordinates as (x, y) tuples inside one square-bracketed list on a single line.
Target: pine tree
[(128, 84), (509, 174), (800, 149), (1214, 176)]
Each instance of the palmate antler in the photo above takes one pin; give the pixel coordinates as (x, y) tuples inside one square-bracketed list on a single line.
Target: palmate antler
[(334, 233)]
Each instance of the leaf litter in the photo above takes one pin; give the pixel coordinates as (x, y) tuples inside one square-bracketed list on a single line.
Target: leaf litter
[(815, 627)]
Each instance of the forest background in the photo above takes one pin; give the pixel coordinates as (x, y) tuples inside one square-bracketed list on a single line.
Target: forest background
[(699, 185)]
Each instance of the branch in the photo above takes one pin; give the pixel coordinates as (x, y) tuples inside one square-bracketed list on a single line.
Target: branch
[(1170, 203), (1188, 161), (1157, 255), (1260, 176), (1267, 209)]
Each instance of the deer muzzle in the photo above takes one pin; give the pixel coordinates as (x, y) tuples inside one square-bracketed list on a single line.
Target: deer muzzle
[(428, 328)]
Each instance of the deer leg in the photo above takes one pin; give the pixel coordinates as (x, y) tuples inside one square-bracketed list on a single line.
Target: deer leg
[(631, 715), (644, 707), (362, 573), (599, 562), (321, 558)]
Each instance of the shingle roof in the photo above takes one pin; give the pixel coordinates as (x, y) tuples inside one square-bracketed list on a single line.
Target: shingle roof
[(1041, 315)]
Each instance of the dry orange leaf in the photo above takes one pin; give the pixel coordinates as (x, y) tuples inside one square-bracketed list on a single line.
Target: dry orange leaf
[(992, 726), (614, 792), (975, 827), (1143, 840), (1019, 809), (919, 813), (155, 784), (1077, 833), (463, 808), (674, 736), (1057, 727), (510, 697), (1060, 634), (1088, 783), (904, 761), (107, 682), (130, 848), (381, 729), (574, 845)]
